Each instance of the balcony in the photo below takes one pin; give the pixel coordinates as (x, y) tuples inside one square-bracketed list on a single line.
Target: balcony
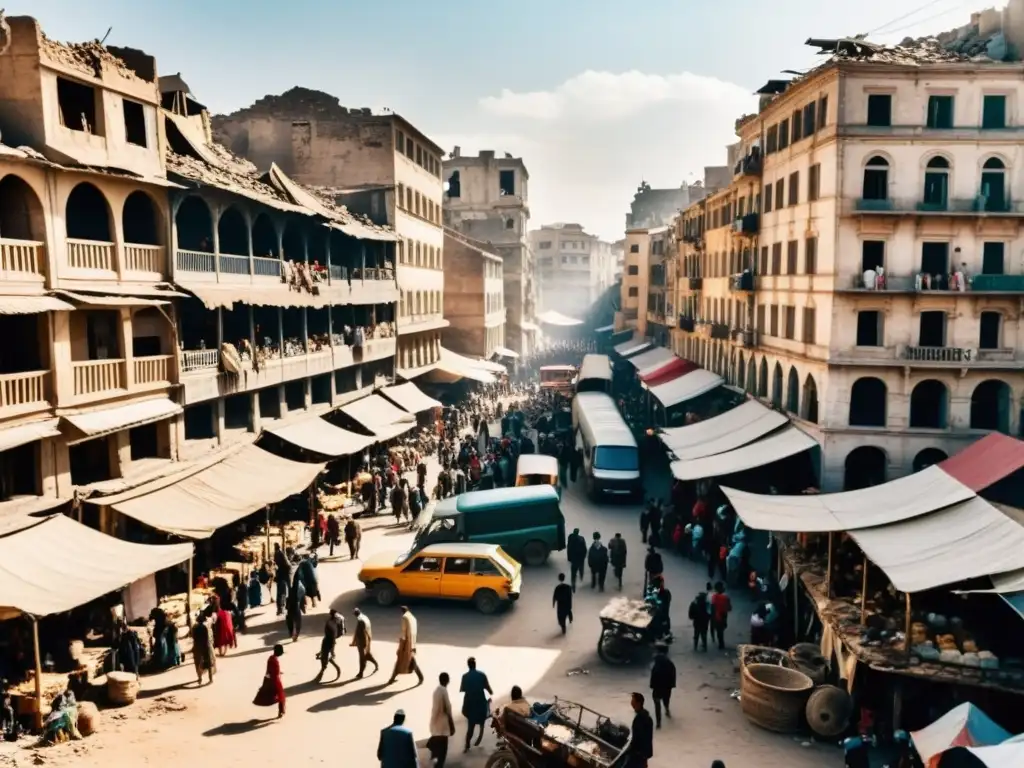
[(997, 283), (950, 355), (686, 323), (22, 260), (748, 224), (958, 207), (920, 283), (193, 360), (23, 391), (750, 165), (696, 283), (745, 281), (719, 331), (91, 255), (145, 258), (744, 337), (155, 369), (93, 377)]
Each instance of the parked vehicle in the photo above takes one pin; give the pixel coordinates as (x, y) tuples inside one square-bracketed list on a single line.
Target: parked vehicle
[(537, 469)]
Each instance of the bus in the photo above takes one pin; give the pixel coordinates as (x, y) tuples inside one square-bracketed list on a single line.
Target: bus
[(557, 378), (611, 460), (595, 374)]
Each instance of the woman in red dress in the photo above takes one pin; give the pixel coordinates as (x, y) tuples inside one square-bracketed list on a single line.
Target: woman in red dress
[(223, 629), (272, 690)]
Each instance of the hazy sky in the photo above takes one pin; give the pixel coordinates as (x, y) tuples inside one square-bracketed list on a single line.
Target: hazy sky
[(595, 95)]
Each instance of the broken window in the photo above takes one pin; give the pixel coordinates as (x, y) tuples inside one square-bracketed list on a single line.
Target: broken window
[(507, 182), (940, 111), (77, 103), (134, 123), (454, 185), (879, 109), (993, 113)]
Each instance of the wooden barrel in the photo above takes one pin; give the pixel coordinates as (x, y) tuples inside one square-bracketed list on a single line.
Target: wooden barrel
[(774, 697), (828, 711), (88, 718), (122, 688)]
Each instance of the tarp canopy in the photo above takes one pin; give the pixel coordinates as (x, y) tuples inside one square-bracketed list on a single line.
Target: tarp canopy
[(32, 305), (964, 541), (1009, 754), (963, 726), (196, 505), (693, 384), (26, 511), (452, 366), (380, 417), (733, 429), (58, 564), (651, 359), (103, 422), (595, 367), (410, 398), (788, 441), (902, 499), (322, 437), (12, 437), (551, 317), (664, 373), (986, 462), (632, 347)]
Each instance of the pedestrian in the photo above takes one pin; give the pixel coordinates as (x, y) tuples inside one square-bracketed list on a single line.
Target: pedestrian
[(272, 690), (255, 590), (475, 704), (296, 606), (562, 602), (576, 552), (655, 521), (223, 627), (202, 649), (442, 723), (700, 617), (641, 740), (663, 680), (353, 537), (645, 523), (575, 463), (617, 555), (333, 534), (398, 502), (856, 752), (405, 661), (653, 568), (396, 747), (421, 473), (597, 561), (362, 639), (333, 627), (305, 573), (721, 605)]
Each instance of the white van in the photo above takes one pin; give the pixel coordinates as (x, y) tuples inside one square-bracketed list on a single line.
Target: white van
[(611, 460)]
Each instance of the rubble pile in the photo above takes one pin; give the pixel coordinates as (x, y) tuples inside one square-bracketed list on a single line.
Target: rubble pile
[(232, 177), (89, 58)]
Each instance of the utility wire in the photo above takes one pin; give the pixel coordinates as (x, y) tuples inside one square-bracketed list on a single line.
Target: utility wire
[(906, 15), (926, 20)]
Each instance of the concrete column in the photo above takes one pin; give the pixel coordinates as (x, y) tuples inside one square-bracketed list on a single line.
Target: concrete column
[(305, 329), (280, 330), (118, 233), (126, 348), (120, 453), (59, 326), (255, 421), (220, 328), (327, 256), (218, 419), (248, 236), (282, 401), (61, 463), (307, 395), (252, 328)]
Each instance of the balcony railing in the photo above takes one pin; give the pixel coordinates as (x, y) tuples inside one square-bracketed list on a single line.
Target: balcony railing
[(22, 388), (95, 376), (686, 323), (748, 166), (144, 258), (265, 267), (195, 261), (152, 370), (1009, 283), (233, 265), (971, 206), (748, 224), (744, 337), (199, 360), (90, 254), (937, 354), (338, 272), (21, 256), (719, 331)]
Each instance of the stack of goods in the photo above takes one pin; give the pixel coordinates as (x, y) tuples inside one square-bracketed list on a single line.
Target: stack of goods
[(174, 605), (122, 688), (627, 611), (945, 640)]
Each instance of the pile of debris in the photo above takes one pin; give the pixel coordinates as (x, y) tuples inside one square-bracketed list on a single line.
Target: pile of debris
[(90, 57)]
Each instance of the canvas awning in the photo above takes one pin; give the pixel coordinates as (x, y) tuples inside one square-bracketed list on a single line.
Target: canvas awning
[(379, 416), (32, 305), (664, 373), (113, 301), (986, 462), (412, 373), (902, 499), (551, 317), (454, 366), (97, 423), (322, 437), (964, 724), (965, 541), (605, 329), (26, 511), (694, 384), (506, 352), (1009, 754), (788, 441), (58, 564), (225, 295), (632, 347), (653, 358), (12, 437), (733, 429), (409, 397), (194, 505)]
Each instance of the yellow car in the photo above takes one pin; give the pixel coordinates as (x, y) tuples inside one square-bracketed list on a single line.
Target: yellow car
[(483, 573)]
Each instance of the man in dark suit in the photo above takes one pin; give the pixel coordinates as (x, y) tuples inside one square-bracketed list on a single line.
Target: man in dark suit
[(397, 747)]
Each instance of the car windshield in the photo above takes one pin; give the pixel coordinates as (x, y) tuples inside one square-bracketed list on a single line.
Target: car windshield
[(618, 458)]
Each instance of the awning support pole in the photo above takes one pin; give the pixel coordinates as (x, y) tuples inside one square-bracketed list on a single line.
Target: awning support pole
[(796, 607), (906, 627), (828, 573), (266, 558), (38, 715), (864, 591), (188, 595)]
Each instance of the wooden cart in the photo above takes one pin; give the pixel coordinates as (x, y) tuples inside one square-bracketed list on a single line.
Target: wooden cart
[(627, 624)]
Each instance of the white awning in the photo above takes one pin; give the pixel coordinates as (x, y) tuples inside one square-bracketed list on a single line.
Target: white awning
[(787, 442), (32, 305), (112, 301), (379, 416), (506, 352), (214, 295), (651, 360), (409, 397), (487, 365), (965, 541), (322, 437), (903, 499), (23, 434), (59, 564), (412, 373), (96, 423), (742, 425), (197, 504), (551, 317), (455, 367), (686, 387), (24, 511), (631, 347), (526, 325)]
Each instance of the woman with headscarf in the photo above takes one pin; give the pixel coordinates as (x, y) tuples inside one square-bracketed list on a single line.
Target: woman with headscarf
[(272, 690), (202, 649), (255, 590), (223, 628)]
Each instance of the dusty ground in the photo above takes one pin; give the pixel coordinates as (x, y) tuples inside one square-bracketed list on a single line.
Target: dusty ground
[(177, 724)]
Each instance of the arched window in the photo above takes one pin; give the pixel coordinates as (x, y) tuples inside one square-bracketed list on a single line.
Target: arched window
[(264, 238), (928, 457), (87, 215), (140, 220), (194, 226), (990, 406), (751, 385), (21, 212), (809, 401), (936, 184), (865, 467), (233, 232), (294, 242), (929, 405), (793, 392), (876, 179), (777, 386), (762, 379), (868, 403), (993, 185)]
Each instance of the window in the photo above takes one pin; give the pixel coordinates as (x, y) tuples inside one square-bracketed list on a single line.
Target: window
[(935, 258), (767, 198), (780, 192), (634, 248), (810, 124), (940, 112), (454, 185), (797, 124), (773, 320), (772, 140), (869, 328), (879, 109), (400, 196), (507, 182), (936, 183), (810, 320), (634, 292), (419, 155), (993, 111), (484, 567), (783, 134), (868, 403), (760, 318), (993, 185), (791, 257), (814, 182), (762, 268), (776, 259), (992, 255), (400, 140), (409, 147), (822, 112), (424, 565), (988, 336), (932, 329), (510, 223), (811, 256), (457, 565), (134, 123), (876, 179), (545, 245), (794, 188), (77, 104), (789, 318)]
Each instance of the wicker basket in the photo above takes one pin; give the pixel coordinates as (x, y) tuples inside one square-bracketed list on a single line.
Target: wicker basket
[(88, 718), (828, 711), (774, 697), (122, 688)]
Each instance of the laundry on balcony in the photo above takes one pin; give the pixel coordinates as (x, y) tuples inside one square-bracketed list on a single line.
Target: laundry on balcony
[(32, 305), (97, 423)]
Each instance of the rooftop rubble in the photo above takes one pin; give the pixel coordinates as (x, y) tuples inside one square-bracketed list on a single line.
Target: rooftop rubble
[(90, 57), (299, 100)]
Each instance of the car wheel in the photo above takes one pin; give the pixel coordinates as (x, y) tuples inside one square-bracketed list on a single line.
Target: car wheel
[(535, 553), (385, 593), (487, 601)]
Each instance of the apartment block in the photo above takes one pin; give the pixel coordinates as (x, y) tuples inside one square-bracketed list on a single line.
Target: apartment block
[(476, 298), (572, 268)]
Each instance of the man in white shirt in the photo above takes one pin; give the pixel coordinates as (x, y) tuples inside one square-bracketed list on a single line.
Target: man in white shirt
[(442, 724)]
